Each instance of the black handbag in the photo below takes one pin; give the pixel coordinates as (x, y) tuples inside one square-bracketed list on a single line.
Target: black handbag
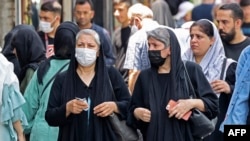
[(122, 131), (200, 125)]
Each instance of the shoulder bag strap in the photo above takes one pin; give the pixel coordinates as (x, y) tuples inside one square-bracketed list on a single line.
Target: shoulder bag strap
[(187, 80), (110, 83), (223, 68), (52, 78)]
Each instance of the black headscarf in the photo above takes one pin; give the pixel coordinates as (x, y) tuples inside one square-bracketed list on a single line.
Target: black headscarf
[(8, 50), (29, 48), (177, 67), (64, 46), (102, 92), (175, 90)]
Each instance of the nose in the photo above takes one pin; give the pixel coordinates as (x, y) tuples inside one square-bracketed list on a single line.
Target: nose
[(85, 46), (193, 39), (150, 47), (82, 15), (219, 26)]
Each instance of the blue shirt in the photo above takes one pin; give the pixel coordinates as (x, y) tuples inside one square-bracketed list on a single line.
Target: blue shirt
[(105, 43), (239, 105), (137, 50)]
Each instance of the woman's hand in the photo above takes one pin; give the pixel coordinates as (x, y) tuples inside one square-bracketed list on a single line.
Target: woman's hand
[(220, 86), (75, 106), (180, 108), (19, 130), (105, 109), (21, 137), (142, 114)]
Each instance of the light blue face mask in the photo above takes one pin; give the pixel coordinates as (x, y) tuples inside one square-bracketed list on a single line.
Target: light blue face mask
[(134, 28), (46, 27), (85, 56)]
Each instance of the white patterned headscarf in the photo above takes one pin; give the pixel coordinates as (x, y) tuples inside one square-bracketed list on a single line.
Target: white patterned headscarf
[(7, 75), (212, 62)]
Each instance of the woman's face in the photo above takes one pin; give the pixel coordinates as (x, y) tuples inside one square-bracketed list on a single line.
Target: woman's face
[(154, 44), (200, 42), (87, 41)]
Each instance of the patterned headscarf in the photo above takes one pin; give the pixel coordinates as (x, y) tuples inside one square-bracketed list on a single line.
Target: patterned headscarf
[(212, 61)]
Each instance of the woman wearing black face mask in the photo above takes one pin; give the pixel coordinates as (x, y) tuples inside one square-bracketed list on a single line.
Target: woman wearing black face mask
[(149, 110)]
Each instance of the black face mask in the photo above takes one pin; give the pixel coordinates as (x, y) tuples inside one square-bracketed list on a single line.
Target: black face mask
[(155, 58)]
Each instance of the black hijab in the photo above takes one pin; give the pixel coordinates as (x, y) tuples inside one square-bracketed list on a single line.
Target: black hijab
[(174, 89), (64, 46), (8, 50), (102, 92), (29, 48)]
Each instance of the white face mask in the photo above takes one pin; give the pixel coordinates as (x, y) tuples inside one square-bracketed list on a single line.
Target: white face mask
[(46, 27), (134, 28), (85, 56)]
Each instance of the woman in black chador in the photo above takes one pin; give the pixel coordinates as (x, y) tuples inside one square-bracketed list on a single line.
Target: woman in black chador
[(87, 78), (149, 110)]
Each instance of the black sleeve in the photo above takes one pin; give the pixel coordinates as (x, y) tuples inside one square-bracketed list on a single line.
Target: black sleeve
[(120, 90), (42, 36), (140, 98), (224, 98), (230, 76), (56, 109), (203, 89)]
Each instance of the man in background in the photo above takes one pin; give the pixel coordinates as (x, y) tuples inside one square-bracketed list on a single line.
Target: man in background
[(50, 17), (141, 20), (230, 18), (121, 35), (84, 13), (245, 5)]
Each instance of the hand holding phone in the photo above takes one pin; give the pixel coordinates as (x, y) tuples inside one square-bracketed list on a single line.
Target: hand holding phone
[(173, 103), (83, 100)]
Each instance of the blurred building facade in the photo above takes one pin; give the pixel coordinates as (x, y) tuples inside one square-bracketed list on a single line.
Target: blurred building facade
[(7, 16)]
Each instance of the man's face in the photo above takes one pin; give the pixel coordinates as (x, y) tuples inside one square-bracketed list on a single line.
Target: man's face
[(120, 12), (226, 25), (83, 14), (47, 16), (246, 11)]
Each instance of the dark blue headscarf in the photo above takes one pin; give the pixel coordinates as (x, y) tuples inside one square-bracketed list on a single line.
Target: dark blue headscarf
[(8, 50), (29, 48)]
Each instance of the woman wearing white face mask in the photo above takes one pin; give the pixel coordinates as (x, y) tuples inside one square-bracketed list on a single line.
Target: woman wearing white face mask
[(82, 97)]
